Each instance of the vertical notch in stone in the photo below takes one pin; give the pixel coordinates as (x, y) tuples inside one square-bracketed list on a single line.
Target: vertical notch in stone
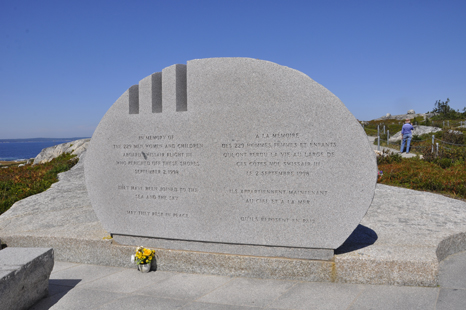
[(174, 88), (150, 94), (133, 94), (181, 88), (157, 92)]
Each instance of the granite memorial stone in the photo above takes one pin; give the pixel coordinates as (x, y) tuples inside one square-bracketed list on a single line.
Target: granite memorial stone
[(231, 155)]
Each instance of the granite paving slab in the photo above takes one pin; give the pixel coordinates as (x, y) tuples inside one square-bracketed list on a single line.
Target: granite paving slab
[(144, 303), (185, 286), (206, 306), (87, 273), (267, 293), (453, 271), (248, 292), (128, 281), (384, 297), (451, 299), (58, 266), (79, 299), (325, 296)]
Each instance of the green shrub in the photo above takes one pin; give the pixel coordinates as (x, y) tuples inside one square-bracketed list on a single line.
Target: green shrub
[(426, 122)]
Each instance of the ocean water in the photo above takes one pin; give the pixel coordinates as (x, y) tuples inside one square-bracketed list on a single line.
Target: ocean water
[(16, 149)]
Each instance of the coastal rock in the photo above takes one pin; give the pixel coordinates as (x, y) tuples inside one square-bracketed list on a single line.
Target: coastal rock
[(401, 117), (418, 130), (411, 112), (76, 147)]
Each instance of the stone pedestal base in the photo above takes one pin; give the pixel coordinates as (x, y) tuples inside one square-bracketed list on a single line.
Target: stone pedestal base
[(227, 248)]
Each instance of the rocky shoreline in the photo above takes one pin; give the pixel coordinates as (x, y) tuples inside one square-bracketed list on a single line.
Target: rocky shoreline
[(76, 147)]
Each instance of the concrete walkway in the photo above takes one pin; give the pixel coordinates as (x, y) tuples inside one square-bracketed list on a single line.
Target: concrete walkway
[(81, 286)]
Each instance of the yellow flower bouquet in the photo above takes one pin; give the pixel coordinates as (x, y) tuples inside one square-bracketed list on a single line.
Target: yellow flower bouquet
[(143, 256)]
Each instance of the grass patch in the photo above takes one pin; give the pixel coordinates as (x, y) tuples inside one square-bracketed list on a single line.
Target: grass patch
[(17, 183), (370, 131)]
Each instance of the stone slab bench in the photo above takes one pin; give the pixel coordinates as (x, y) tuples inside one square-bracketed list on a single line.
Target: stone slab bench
[(24, 276)]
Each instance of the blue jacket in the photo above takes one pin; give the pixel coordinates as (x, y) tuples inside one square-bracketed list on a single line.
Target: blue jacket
[(406, 129)]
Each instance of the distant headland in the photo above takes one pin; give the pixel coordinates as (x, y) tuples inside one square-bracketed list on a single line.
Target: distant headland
[(40, 140)]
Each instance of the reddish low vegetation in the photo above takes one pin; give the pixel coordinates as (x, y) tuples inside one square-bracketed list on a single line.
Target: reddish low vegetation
[(17, 183), (418, 174)]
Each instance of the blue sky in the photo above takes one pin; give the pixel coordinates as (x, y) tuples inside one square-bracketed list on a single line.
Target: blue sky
[(64, 63)]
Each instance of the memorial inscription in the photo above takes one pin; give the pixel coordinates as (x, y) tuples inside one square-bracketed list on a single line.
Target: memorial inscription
[(238, 152)]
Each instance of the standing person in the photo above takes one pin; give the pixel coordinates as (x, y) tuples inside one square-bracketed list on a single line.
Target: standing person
[(406, 133)]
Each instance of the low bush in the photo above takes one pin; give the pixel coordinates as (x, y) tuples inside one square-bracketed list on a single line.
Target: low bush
[(418, 174), (17, 183), (388, 158), (445, 154), (453, 136)]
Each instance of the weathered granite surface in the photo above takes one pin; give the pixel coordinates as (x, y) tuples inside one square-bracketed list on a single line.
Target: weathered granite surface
[(418, 130), (400, 240), (411, 227), (63, 210), (245, 157), (76, 147), (24, 276)]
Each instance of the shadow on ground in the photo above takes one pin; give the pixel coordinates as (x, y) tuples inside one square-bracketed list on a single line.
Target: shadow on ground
[(57, 290), (361, 237)]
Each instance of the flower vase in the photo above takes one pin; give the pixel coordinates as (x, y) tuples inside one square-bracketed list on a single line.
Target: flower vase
[(144, 268)]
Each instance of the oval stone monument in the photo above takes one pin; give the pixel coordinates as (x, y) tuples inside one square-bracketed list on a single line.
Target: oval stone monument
[(231, 155)]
